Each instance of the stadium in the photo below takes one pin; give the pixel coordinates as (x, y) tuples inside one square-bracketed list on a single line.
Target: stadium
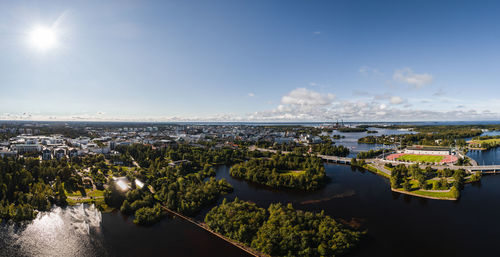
[(424, 154)]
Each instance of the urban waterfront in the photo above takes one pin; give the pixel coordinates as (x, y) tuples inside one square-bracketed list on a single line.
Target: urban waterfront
[(249, 128), (352, 195)]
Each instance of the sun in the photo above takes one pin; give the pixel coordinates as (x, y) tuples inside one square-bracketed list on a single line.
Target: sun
[(43, 38)]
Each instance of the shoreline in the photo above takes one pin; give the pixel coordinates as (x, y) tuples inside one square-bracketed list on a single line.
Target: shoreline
[(376, 171), (425, 196)]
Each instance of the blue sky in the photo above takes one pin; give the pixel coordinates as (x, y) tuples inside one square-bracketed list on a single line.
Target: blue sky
[(251, 60)]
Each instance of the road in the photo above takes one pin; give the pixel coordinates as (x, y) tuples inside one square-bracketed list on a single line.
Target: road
[(379, 163)]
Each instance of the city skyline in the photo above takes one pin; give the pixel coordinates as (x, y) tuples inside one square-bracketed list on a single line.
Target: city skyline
[(249, 61)]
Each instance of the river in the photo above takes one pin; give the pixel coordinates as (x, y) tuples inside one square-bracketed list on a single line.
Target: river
[(487, 157), (398, 225), (350, 139)]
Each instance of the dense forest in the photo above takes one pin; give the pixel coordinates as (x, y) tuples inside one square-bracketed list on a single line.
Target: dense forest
[(445, 138), (28, 185), (185, 187), (354, 129), (147, 156), (327, 148), (281, 230), (283, 170), (428, 135), (371, 153)]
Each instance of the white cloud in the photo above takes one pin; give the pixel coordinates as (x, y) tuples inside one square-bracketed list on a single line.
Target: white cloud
[(396, 100), (251, 94), (407, 76), (305, 97), (305, 105), (317, 32)]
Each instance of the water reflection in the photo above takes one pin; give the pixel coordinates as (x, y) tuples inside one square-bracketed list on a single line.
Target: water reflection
[(72, 231), (395, 222)]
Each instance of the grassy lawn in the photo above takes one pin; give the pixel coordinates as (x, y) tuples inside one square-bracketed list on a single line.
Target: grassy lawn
[(89, 192), (98, 202), (493, 141), (125, 168), (294, 173), (376, 171), (443, 194), (95, 193), (75, 193), (420, 158)]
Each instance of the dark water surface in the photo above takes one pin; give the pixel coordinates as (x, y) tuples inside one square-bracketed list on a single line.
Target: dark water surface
[(487, 157), (397, 225)]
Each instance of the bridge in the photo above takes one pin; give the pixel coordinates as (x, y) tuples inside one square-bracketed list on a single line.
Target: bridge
[(483, 168), (474, 168), (335, 159), (329, 158), (345, 160)]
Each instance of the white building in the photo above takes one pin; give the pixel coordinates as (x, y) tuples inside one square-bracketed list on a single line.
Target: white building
[(428, 150)]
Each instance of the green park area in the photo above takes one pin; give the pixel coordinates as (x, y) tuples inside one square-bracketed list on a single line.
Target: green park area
[(442, 184), (484, 142), (421, 158)]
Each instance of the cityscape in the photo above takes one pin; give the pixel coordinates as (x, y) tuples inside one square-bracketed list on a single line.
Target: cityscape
[(249, 128)]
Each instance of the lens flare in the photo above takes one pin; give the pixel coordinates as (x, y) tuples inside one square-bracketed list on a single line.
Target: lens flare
[(43, 38)]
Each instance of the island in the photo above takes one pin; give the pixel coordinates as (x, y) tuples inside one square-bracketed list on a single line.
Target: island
[(283, 171), (281, 230)]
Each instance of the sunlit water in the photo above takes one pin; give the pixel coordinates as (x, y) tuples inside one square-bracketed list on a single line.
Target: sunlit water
[(398, 225), (84, 231), (73, 231)]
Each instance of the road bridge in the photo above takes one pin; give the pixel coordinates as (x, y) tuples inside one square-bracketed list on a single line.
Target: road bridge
[(346, 160)]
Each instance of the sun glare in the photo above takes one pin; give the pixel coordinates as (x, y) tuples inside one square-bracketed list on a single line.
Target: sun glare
[(43, 38)]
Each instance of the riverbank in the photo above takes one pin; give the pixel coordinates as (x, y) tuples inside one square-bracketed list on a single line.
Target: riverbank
[(202, 225), (373, 169), (429, 194)]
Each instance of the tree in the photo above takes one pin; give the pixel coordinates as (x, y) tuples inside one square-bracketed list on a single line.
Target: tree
[(407, 185), (454, 192)]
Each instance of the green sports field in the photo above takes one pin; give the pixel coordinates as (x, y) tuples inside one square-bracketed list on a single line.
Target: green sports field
[(421, 158)]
